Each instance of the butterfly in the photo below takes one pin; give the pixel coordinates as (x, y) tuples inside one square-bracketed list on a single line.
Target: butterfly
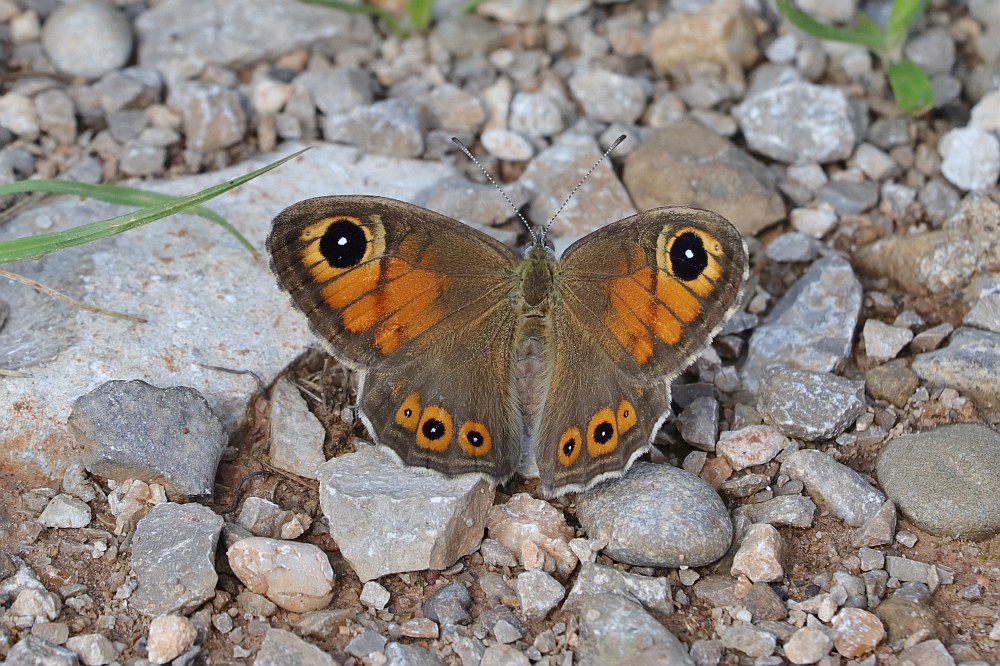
[(473, 359)]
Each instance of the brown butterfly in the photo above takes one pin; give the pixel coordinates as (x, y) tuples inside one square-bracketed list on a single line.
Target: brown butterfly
[(473, 360)]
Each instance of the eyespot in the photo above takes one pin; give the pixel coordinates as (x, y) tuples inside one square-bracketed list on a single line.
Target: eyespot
[(408, 414), (344, 242), (688, 256), (626, 416), (602, 434), (435, 429), (570, 446), (474, 438)]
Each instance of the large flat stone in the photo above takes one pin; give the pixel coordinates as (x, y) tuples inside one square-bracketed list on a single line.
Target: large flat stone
[(207, 302)]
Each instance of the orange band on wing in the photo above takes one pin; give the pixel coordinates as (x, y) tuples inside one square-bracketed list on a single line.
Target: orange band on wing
[(631, 293), (397, 297), (351, 285), (678, 297)]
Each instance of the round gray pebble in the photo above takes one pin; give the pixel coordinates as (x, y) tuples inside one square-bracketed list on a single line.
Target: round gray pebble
[(945, 479), (658, 516), (87, 38)]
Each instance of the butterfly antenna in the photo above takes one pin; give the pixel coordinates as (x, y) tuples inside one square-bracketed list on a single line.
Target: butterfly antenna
[(534, 236), (607, 152)]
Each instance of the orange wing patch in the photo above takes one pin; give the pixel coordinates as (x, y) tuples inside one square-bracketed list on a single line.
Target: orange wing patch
[(408, 414), (626, 416)]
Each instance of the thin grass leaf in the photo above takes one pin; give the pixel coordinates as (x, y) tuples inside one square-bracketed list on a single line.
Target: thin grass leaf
[(420, 12), (469, 6), (901, 18), (40, 245), (910, 85), (362, 8), (865, 33), (122, 195)]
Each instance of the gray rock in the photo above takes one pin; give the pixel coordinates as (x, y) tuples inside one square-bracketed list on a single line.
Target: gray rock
[(455, 110), (749, 640), (496, 554), (93, 649), (657, 515), (884, 342), (807, 405), (723, 591), (318, 624), (538, 593), (699, 423), (876, 163), (970, 158), (386, 518), (933, 51), (503, 655), (476, 204), (262, 517), (173, 557), (296, 434), (449, 605), (16, 578), (65, 511), (752, 445), (34, 651), (138, 431), (793, 510), (761, 555), (283, 648), (879, 529), (927, 653), (139, 159), (652, 592), (338, 89), (366, 644), (399, 654), (849, 198), (213, 115), (553, 174), (608, 627), (814, 222), (893, 383), (18, 114), (686, 164), (985, 313), (464, 35), (129, 88), (388, 127), (811, 327), (943, 479), (798, 122), (888, 132), (807, 646), (87, 38), (507, 145), (53, 632), (609, 97), (931, 339), (374, 596), (968, 364), (793, 246), (57, 115), (834, 485), (536, 114), (181, 37)]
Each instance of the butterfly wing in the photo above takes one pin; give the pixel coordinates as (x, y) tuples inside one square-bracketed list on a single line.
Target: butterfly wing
[(636, 302), (420, 305)]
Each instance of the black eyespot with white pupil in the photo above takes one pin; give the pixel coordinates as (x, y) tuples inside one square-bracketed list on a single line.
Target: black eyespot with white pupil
[(433, 429), (688, 257), (568, 447), (475, 438), (407, 412), (343, 243), (603, 432)]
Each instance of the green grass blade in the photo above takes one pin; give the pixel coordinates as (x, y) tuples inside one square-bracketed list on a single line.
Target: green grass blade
[(865, 33), (911, 87), (469, 6), (40, 245), (122, 195), (420, 12), (901, 17), (362, 8)]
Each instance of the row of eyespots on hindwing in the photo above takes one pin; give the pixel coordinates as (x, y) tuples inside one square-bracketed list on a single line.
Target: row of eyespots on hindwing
[(603, 431), (433, 428)]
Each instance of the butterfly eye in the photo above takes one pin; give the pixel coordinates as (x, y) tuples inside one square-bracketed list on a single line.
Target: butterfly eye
[(570, 446), (344, 242), (602, 436), (474, 438), (688, 257)]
